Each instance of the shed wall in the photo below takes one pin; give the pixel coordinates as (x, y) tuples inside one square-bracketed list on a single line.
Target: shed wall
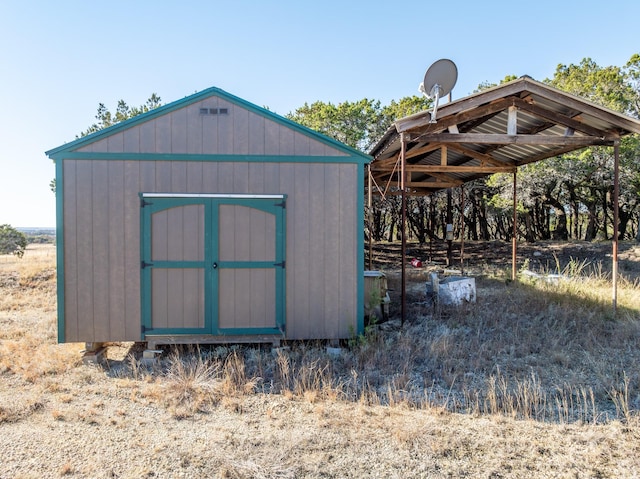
[(102, 227)]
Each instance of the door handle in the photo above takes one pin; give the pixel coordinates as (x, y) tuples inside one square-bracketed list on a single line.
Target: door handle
[(214, 265)]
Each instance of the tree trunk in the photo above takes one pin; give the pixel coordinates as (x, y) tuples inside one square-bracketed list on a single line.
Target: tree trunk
[(560, 233), (624, 218), (605, 210), (483, 221), (590, 233)]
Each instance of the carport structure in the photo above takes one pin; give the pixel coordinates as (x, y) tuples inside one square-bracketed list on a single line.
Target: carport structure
[(493, 131)]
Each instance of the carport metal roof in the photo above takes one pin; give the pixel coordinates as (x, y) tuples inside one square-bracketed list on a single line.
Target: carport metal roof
[(493, 131), (496, 130)]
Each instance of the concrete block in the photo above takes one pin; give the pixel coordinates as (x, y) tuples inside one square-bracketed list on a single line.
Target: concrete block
[(332, 351), (150, 356), (94, 357)]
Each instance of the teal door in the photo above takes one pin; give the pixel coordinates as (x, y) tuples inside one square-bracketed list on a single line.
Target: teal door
[(213, 264)]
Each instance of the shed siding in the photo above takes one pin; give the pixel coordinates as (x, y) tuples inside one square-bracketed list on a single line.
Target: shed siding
[(102, 238), (186, 131)]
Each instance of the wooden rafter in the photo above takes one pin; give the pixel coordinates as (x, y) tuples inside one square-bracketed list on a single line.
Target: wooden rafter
[(503, 139), (438, 185), (483, 158), (558, 119), (431, 169), (490, 109), (412, 153)]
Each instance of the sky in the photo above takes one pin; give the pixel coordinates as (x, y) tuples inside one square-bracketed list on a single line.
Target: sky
[(59, 60)]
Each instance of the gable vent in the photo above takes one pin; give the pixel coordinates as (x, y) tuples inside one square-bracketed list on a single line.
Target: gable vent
[(214, 111)]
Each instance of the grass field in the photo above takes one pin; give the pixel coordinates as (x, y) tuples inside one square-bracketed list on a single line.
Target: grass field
[(536, 379)]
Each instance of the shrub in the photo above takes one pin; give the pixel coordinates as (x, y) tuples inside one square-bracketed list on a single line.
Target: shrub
[(12, 241)]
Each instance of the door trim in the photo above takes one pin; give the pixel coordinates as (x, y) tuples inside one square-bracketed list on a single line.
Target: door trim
[(211, 321)]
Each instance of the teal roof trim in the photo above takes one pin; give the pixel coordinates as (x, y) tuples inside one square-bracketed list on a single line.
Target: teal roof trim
[(60, 151), (81, 155)]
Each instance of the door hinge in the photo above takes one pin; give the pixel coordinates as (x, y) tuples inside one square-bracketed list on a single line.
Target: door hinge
[(144, 203), (144, 264), (282, 264)]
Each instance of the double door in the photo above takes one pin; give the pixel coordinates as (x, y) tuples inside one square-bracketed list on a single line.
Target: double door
[(213, 264)]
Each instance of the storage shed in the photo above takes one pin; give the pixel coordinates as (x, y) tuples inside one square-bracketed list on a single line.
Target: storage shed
[(209, 219)]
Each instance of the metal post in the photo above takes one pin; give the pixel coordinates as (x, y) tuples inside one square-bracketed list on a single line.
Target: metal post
[(370, 217), (449, 229), (616, 227), (514, 240), (462, 229), (404, 236)]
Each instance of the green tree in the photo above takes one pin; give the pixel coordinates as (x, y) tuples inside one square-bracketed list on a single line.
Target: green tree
[(106, 119), (352, 123), (123, 112), (12, 241), (358, 124), (606, 86)]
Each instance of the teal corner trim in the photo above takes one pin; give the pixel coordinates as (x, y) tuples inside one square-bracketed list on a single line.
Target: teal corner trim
[(360, 255), (210, 92), (60, 248)]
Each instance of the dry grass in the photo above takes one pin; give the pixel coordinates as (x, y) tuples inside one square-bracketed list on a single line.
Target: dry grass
[(27, 301), (535, 380)]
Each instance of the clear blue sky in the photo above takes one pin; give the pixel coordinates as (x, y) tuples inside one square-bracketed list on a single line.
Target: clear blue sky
[(59, 59)]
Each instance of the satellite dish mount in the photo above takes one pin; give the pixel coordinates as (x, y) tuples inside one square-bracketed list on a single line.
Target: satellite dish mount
[(439, 80)]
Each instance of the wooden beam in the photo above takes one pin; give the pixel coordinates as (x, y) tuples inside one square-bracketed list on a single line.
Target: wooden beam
[(459, 169), (571, 101), (499, 139), (483, 103), (512, 121), (482, 157), (434, 184), (443, 177), (445, 122), (558, 118), (383, 163), (421, 151), (470, 107), (545, 155)]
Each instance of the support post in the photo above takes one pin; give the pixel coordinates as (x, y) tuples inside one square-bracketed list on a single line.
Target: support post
[(449, 228), (403, 147), (462, 229), (616, 227), (514, 240), (370, 216)]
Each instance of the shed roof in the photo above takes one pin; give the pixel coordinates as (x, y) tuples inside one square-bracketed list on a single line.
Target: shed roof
[(496, 130), (74, 146)]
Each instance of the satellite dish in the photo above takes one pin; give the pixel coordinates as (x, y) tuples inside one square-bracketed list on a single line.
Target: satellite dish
[(439, 80)]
